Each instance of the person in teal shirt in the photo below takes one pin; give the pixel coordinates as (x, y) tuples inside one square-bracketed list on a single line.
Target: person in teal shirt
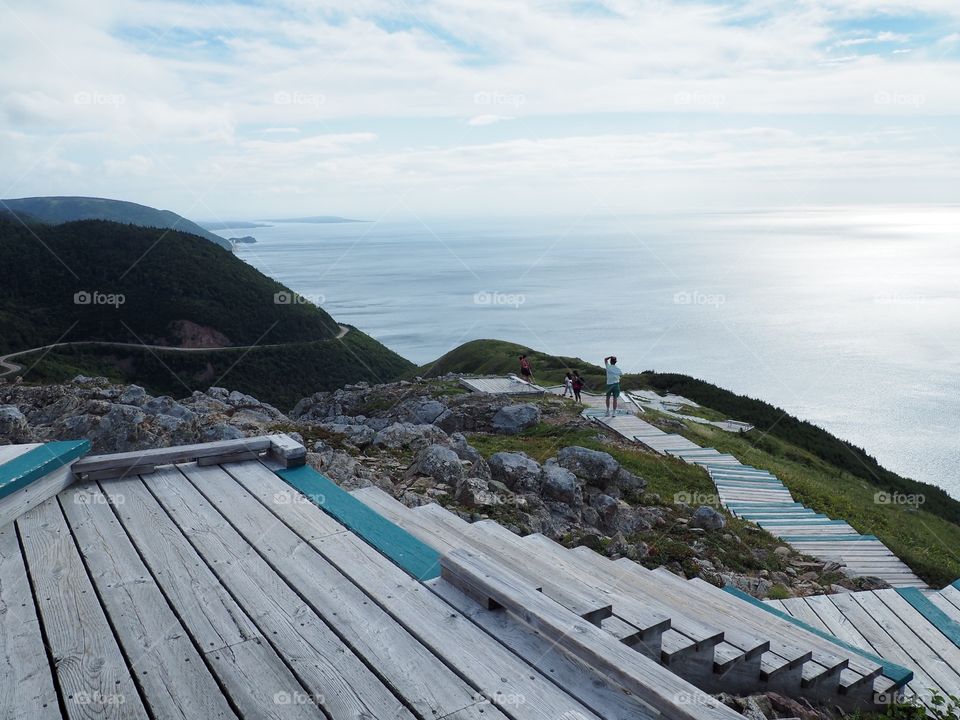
[(613, 382)]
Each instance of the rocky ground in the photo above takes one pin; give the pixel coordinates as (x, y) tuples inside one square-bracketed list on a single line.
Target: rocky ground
[(414, 440)]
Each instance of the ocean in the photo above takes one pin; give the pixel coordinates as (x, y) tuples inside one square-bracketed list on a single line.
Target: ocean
[(847, 317)]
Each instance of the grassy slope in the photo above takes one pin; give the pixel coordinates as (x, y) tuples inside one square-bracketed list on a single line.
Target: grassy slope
[(829, 474)]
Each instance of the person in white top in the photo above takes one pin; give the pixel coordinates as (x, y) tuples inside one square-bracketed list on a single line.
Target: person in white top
[(613, 382)]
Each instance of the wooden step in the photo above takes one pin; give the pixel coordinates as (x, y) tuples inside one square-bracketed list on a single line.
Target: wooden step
[(656, 685), (445, 531)]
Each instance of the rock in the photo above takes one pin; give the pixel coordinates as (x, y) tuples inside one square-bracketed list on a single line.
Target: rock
[(420, 411), (782, 551), (808, 576), (360, 436), (475, 493), (402, 435), (516, 470), (512, 419), (707, 518), (440, 463), (13, 424), (133, 395), (592, 466), (558, 483), (466, 452)]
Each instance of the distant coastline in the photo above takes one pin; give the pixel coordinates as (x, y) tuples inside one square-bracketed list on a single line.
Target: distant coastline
[(232, 225), (316, 219)]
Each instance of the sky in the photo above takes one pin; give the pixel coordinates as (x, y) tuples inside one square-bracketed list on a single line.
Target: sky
[(467, 108)]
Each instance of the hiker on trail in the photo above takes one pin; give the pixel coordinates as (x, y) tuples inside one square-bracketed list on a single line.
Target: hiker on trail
[(613, 382), (577, 385), (568, 385), (525, 372)]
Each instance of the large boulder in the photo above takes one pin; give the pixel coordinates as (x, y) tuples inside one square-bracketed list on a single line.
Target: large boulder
[(591, 466), (558, 483), (707, 518), (516, 470), (402, 435), (469, 454), (420, 411), (599, 469), (476, 493), (512, 419), (440, 463)]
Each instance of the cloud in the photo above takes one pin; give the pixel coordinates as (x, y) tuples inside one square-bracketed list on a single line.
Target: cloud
[(478, 120), (134, 165)]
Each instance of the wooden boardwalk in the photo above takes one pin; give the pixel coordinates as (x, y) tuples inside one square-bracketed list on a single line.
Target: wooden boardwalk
[(759, 496), (904, 625), (716, 640), (511, 385), (215, 589)]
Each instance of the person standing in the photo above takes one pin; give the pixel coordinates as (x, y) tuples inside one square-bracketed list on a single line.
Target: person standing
[(577, 386), (568, 385), (613, 382), (526, 372)]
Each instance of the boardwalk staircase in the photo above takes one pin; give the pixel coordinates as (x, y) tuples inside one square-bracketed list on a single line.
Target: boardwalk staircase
[(717, 640)]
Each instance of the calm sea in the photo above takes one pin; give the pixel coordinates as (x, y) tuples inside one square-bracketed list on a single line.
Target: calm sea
[(846, 317)]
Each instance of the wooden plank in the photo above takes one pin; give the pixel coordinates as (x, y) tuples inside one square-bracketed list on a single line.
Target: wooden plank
[(571, 673), (250, 671), (215, 620), (800, 610), (25, 468), (638, 674), (122, 463), (92, 675), (411, 554), (287, 451), (470, 652), (26, 680), (928, 622), (289, 578), (907, 638), (434, 525), (172, 676), (34, 493)]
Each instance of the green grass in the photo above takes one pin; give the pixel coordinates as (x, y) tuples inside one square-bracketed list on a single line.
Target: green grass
[(926, 542)]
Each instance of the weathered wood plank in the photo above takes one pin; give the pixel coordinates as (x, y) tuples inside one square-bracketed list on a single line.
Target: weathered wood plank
[(292, 583), (594, 690), (654, 684), (26, 680), (20, 471), (93, 676), (215, 620), (477, 657), (173, 678), (34, 493), (125, 462)]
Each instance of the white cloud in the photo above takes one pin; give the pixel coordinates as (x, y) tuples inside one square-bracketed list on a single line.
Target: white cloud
[(357, 101), (478, 120)]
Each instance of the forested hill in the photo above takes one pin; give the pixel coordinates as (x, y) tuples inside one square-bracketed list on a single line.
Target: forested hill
[(61, 209)]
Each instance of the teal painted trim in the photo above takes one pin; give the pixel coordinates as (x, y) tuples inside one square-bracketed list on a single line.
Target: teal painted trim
[(756, 504), (956, 583), (761, 517), (816, 522), (827, 538), (937, 617), (897, 673), (16, 474), (412, 555)]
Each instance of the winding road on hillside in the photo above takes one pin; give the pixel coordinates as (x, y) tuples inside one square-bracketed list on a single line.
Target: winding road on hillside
[(8, 368)]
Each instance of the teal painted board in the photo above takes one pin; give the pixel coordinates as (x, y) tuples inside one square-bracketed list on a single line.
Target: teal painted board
[(937, 617), (800, 522), (415, 557), (827, 538), (897, 673), (34, 464)]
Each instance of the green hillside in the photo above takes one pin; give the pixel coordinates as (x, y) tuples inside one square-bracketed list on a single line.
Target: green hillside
[(829, 474), (61, 209), (101, 281)]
